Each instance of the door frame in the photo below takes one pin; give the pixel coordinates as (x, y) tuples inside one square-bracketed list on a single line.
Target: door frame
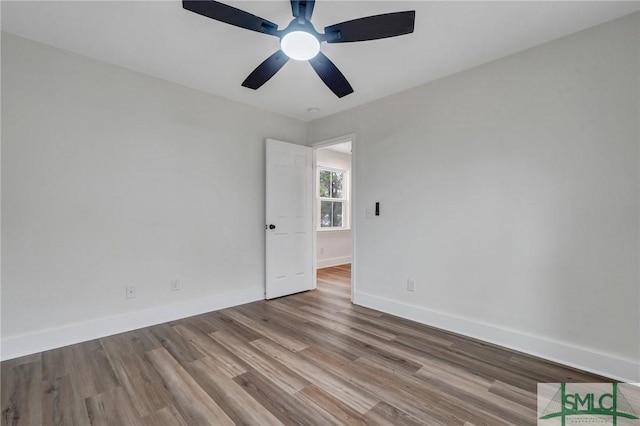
[(352, 203)]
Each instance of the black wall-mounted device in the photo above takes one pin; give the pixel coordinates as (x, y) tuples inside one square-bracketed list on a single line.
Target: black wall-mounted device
[(377, 208)]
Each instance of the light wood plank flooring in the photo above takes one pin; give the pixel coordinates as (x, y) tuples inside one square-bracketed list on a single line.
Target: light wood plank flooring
[(311, 358)]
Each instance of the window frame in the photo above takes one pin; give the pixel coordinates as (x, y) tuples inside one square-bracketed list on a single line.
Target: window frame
[(346, 225)]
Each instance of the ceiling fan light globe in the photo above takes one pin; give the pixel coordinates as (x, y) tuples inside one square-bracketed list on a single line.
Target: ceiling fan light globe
[(300, 45)]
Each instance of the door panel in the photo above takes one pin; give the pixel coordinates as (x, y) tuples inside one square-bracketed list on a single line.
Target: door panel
[(289, 265)]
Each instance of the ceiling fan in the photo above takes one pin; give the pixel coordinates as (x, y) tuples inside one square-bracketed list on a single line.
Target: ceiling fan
[(300, 40)]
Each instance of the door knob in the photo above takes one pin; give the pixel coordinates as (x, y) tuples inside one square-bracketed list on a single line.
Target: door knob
[(272, 226)]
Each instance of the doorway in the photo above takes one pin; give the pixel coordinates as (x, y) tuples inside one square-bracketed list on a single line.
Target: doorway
[(333, 212)]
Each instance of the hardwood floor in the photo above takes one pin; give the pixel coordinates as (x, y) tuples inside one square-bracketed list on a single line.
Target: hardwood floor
[(311, 358)]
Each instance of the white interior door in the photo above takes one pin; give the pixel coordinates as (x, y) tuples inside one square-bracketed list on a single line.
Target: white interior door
[(289, 230)]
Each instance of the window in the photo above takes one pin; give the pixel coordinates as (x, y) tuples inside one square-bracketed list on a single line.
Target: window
[(332, 193)]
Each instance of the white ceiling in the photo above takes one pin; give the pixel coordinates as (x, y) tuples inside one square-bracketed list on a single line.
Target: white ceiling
[(342, 148), (162, 39)]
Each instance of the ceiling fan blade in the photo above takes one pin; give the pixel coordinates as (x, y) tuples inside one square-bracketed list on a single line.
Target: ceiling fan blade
[(331, 75), (302, 8), (371, 27), (266, 70), (230, 15)]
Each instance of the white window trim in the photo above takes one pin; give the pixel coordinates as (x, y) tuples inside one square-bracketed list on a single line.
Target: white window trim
[(346, 206)]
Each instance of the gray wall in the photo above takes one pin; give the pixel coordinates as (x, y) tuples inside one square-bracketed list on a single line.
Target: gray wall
[(110, 178), (510, 192)]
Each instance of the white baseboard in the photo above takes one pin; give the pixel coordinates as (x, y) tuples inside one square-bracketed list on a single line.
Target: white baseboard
[(26, 344), (624, 370), (333, 261)]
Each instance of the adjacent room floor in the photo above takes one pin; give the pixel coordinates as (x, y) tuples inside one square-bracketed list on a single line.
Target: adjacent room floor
[(310, 358)]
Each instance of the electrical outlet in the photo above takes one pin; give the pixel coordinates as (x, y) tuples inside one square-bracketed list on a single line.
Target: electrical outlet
[(175, 285), (411, 284), (130, 292)]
